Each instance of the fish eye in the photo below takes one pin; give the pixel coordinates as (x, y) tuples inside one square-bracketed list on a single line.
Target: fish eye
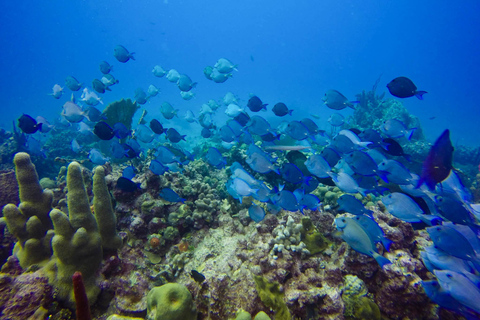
[(449, 276)]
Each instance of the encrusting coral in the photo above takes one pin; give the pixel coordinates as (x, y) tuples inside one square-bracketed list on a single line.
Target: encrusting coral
[(172, 301), (59, 243)]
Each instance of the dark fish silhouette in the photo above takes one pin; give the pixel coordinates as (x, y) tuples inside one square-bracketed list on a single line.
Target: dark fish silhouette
[(438, 164), (402, 87), (197, 276), (280, 110), (126, 185), (255, 104), (157, 127), (28, 125), (393, 148), (103, 131)]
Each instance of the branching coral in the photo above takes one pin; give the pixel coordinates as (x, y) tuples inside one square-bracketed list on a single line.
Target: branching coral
[(64, 244)]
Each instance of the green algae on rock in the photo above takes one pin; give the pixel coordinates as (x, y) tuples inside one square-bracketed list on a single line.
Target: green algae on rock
[(272, 297)]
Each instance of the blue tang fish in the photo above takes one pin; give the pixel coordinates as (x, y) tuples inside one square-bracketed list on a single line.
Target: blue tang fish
[(255, 104), (165, 156), (170, 195), (127, 185), (286, 200), (215, 158), (297, 130), (120, 130), (95, 156), (129, 172), (157, 168), (352, 205), (460, 288), (373, 229), (258, 125), (227, 134), (256, 213), (357, 238)]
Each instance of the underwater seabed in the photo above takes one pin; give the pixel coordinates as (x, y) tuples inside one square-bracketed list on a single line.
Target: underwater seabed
[(289, 266)]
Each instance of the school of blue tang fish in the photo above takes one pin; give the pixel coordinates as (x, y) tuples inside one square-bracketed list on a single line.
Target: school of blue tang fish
[(368, 161)]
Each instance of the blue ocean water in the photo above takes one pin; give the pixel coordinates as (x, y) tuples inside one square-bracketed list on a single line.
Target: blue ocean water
[(290, 51)]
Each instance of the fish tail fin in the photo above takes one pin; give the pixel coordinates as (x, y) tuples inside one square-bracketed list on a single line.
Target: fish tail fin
[(364, 144), (419, 94), (290, 112), (351, 104), (409, 133), (183, 137), (131, 55), (381, 260), (430, 219), (386, 243), (383, 175)]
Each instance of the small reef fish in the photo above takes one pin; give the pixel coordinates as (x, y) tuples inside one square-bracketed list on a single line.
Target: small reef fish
[(121, 131), (90, 97), (352, 205), (127, 185), (337, 101), (105, 67), (174, 136), (168, 111), (99, 86), (108, 80), (157, 127), (280, 109), (72, 112), (255, 104), (57, 91), (28, 125), (256, 213), (157, 168), (438, 164), (158, 71), (185, 84), (96, 157), (187, 95), (403, 87), (72, 83), (152, 91), (170, 195), (233, 110), (359, 239), (396, 129), (224, 65), (197, 276), (173, 75), (218, 77), (122, 54), (103, 131)]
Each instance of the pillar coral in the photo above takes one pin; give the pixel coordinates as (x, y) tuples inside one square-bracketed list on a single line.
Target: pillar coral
[(62, 244)]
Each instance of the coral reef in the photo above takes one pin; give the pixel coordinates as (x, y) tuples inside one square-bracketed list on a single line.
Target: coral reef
[(121, 111), (62, 244), (272, 297), (373, 110), (9, 188), (172, 301)]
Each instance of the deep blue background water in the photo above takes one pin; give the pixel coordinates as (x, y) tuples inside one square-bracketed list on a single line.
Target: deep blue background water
[(299, 50)]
